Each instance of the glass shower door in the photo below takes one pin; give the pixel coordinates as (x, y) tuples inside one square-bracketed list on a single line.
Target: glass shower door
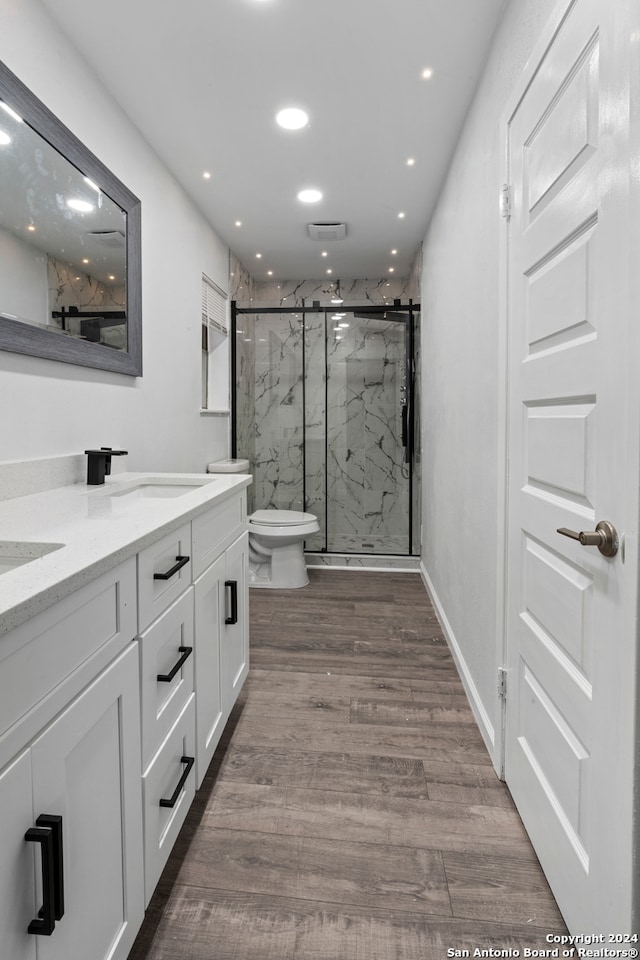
[(367, 479)]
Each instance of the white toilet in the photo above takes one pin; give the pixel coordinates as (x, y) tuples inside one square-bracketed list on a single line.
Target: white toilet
[(276, 558)]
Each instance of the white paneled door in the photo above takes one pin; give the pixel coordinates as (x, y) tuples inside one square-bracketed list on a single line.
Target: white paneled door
[(573, 461)]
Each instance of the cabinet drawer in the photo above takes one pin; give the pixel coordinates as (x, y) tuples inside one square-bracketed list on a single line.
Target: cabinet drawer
[(157, 585), (77, 636), (160, 782), (162, 647), (215, 530)]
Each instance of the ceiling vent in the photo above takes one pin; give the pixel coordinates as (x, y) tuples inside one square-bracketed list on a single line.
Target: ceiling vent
[(327, 231), (108, 238)]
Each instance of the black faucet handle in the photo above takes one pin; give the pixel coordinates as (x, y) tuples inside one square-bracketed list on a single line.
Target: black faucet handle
[(99, 463)]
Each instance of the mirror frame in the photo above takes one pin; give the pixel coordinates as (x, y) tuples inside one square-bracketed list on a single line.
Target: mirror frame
[(18, 337)]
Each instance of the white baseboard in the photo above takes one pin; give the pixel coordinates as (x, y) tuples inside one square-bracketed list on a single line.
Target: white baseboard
[(482, 717)]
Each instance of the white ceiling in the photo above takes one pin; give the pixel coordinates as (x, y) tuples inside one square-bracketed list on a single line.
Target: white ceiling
[(203, 80)]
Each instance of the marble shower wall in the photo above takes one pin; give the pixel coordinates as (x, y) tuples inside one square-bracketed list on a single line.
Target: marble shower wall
[(278, 422), (367, 482), (291, 293)]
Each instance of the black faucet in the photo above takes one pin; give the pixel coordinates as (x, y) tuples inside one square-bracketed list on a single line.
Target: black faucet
[(99, 463)]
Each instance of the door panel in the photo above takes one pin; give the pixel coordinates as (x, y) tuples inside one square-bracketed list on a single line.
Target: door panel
[(569, 742)]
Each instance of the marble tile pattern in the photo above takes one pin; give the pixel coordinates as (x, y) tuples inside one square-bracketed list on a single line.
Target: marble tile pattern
[(241, 283), (68, 288), (291, 293)]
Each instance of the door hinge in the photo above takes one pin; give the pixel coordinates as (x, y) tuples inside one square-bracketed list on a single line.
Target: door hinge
[(506, 201), (502, 683)]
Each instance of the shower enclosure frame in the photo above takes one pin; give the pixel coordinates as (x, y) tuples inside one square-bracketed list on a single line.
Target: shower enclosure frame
[(389, 312)]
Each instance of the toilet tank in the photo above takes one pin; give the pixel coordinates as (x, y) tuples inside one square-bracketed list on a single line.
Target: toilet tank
[(231, 465)]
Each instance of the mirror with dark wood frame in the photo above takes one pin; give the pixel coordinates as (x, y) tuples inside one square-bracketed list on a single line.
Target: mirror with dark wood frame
[(70, 284)]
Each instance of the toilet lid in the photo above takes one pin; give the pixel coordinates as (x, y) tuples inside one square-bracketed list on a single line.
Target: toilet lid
[(281, 518)]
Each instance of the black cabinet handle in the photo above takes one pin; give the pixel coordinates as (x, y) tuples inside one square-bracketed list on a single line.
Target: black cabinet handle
[(48, 833), (173, 799), (55, 825), (168, 677), (233, 585), (180, 563)]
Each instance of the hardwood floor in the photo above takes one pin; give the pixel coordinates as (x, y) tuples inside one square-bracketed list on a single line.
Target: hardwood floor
[(351, 811)]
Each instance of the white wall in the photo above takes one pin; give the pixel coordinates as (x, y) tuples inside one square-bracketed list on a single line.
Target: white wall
[(52, 408), (461, 368), (23, 279)]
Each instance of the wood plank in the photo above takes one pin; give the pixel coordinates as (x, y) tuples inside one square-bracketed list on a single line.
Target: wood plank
[(394, 878), (338, 772), (445, 741), (407, 713), (423, 824), (499, 888)]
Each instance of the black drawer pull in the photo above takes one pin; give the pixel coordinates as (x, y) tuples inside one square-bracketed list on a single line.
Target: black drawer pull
[(233, 585), (173, 799), (168, 677), (48, 833), (180, 563)]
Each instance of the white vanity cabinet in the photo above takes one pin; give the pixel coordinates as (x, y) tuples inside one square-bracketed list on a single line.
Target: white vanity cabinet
[(70, 750), (112, 701)]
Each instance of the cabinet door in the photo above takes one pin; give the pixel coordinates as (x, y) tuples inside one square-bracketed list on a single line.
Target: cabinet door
[(86, 768), (18, 862), (209, 594), (234, 647)]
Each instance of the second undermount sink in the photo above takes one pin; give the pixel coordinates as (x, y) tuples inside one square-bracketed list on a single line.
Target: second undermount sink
[(145, 488), (16, 553)]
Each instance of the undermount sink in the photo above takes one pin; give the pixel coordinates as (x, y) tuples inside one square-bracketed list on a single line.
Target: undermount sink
[(156, 488), (16, 553)]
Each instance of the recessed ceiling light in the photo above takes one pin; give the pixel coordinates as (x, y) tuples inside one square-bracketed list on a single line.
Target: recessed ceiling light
[(111, 276), (427, 73), (258, 255), (31, 227), (310, 195), (393, 253), (401, 216), (324, 253), (329, 271), (391, 269), (206, 175), (82, 206), (4, 138), (238, 223), (292, 118), (269, 273), (12, 113), (411, 161), (85, 260)]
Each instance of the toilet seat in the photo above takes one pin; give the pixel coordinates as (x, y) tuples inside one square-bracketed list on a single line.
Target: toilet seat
[(281, 518)]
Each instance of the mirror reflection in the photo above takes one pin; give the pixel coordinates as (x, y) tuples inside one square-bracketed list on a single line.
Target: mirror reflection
[(62, 242)]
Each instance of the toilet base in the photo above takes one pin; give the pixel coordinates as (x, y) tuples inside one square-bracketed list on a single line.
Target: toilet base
[(284, 569)]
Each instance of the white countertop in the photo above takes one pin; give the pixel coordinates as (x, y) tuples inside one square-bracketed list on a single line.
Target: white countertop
[(97, 531)]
